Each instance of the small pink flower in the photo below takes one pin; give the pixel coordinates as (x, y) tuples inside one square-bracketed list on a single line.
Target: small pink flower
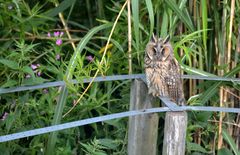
[(39, 73), (58, 42), (56, 34), (27, 76), (61, 34), (89, 58), (45, 91), (4, 116), (58, 57), (74, 102), (34, 66), (10, 7), (49, 34)]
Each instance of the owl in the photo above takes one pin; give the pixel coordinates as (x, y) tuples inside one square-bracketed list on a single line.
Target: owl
[(162, 70)]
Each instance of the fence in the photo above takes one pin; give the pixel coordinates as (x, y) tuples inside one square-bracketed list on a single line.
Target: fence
[(142, 122)]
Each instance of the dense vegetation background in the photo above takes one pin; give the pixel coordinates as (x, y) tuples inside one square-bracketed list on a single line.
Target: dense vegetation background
[(55, 40)]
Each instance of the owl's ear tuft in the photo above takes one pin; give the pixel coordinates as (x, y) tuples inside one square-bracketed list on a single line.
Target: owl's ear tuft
[(153, 38), (166, 39)]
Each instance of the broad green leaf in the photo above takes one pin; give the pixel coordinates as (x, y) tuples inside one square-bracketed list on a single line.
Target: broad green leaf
[(33, 81), (9, 83), (224, 151), (27, 69), (9, 63), (196, 147)]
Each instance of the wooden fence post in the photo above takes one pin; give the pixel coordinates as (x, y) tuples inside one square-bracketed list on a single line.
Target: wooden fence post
[(175, 133), (143, 129)]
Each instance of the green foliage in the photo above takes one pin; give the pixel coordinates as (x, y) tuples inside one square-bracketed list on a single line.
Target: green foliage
[(28, 56)]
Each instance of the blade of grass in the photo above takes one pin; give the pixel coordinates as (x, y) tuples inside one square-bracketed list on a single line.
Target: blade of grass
[(151, 16), (180, 14), (230, 141), (164, 27), (135, 14), (204, 27), (212, 90)]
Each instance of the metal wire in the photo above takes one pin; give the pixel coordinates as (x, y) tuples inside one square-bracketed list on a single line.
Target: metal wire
[(69, 125), (107, 78), (170, 105)]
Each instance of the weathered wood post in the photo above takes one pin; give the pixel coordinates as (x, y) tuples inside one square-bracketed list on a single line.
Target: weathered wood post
[(175, 133), (143, 129)]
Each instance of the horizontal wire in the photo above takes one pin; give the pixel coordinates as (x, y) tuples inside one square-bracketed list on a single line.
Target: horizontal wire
[(107, 78), (63, 126), (171, 106)]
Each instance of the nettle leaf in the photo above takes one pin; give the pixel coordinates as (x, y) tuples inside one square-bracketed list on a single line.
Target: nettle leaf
[(196, 147), (33, 81), (9, 83), (9, 63), (27, 69), (224, 151)]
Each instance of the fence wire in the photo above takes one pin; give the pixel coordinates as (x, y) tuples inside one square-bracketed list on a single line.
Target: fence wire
[(69, 125), (107, 78), (170, 105)]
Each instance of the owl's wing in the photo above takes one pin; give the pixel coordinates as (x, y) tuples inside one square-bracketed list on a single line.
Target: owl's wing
[(174, 83), (149, 74)]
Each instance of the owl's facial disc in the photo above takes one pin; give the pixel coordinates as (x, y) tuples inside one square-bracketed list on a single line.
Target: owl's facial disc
[(165, 53), (150, 57)]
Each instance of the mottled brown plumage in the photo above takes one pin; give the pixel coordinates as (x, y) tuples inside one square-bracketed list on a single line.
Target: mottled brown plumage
[(163, 71)]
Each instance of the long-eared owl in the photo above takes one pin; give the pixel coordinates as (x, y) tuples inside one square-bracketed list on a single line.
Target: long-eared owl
[(163, 71)]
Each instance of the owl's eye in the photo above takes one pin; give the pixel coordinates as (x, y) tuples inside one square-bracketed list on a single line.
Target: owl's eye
[(162, 51)]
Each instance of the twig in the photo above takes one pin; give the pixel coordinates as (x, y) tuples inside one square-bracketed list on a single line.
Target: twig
[(229, 123), (129, 39)]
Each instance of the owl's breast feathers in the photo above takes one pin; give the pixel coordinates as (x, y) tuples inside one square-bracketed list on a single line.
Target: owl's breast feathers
[(164, 79)]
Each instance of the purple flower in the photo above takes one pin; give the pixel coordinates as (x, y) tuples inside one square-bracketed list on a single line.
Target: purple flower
[(28, 76), (89, 58), (34, 66), (39, 73), (4, 116), (49, 34), (58, 57), (58, 42), (45, 91), (61, 34), (56, 34), (74, 102), (10, 7)]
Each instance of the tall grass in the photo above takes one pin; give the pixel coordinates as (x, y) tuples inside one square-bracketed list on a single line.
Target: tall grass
[(205, 36)]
